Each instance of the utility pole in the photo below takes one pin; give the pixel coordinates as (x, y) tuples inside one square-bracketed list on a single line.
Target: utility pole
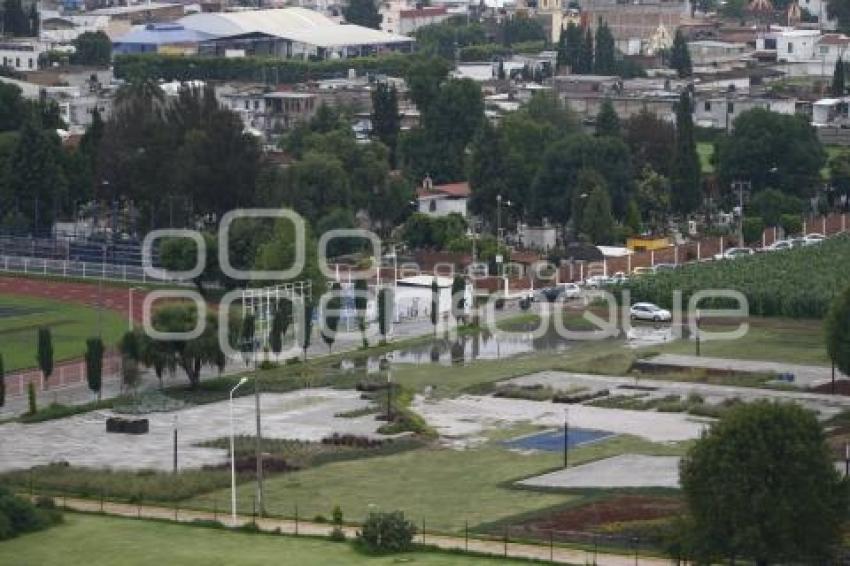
[(175, 444), (566, 436), (259, 436)]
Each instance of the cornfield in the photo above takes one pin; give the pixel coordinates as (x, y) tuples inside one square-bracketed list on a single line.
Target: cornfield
[(797, 283)]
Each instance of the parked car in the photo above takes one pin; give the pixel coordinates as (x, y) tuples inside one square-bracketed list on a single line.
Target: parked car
[(811, 239), (568, 290), (779, 245), (665, 267), (733, 253), (649, 311), (618, 278), (638, 271), (596, 281)]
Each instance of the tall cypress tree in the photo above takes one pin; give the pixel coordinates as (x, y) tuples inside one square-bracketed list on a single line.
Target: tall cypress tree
[(45, 352), (386, 121), (573, 47), (607, 121), (561, 50), (680, 56), (604, 62), (585, 62), (839, 79), (94, 364), (686, 165)]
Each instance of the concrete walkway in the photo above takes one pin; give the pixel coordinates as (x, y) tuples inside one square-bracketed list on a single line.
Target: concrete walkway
[(805, 376), (556, 554)]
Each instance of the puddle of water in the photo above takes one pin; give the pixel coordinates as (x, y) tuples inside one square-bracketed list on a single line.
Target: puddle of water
[(467, 348)]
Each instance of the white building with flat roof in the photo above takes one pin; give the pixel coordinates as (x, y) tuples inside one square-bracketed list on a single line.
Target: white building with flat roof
[(21, 55)]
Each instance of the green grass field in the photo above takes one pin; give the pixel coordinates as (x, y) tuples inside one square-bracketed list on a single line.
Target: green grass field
[(70, 325), (705, 150), (93, 541), (445, 487), (780, 340)]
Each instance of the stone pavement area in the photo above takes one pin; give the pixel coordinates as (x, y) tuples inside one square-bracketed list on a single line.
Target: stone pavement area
[(464, 421), (824, 405), (81, 440), (626, 470)]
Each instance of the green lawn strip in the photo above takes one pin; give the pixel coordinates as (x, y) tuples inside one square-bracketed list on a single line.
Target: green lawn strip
[(98, 540), (164, 487), (705, 150), (70, 324), (779, 340), (445, 487)]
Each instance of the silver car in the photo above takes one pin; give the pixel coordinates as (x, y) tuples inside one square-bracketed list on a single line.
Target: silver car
[(649, 311)]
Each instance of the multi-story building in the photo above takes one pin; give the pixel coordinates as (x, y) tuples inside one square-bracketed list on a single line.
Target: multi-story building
[(21, 54), (403, 18)]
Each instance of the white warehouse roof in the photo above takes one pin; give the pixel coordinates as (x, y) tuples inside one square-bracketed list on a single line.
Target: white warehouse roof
[(294, 24)]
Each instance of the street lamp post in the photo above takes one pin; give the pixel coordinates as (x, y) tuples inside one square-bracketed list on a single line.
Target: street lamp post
[(130, 305), (233, 455), (175, 444)]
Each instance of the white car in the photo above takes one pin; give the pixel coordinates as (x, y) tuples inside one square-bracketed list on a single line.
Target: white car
[(596, 281), (811, 239), (649, 311), (571, 290), (733, 253), (779, 245)]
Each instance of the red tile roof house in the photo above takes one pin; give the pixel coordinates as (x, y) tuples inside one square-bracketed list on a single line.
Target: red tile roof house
[(442, 200)]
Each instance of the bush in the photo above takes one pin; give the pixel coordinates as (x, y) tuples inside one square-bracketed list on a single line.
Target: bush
[(387, 532), (19, 516), (753, 230), (792, 224)]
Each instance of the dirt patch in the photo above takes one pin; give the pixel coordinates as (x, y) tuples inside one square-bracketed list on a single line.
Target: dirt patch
[(594, 516), (842, 387)]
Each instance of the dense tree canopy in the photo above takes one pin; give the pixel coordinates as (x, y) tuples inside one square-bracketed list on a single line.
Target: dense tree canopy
[(840, 10), (686, 171), (554, 184), (604, 58), (362, 13), (761, 486), (93, 48), (680, 56), (450, 119), (650, 138), (771, 150)]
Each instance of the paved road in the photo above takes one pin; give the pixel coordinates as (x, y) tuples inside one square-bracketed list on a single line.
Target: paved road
[(807, 376), (497, 548)]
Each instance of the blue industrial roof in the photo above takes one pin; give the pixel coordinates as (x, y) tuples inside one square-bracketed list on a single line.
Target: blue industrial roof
[(162, 34)]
